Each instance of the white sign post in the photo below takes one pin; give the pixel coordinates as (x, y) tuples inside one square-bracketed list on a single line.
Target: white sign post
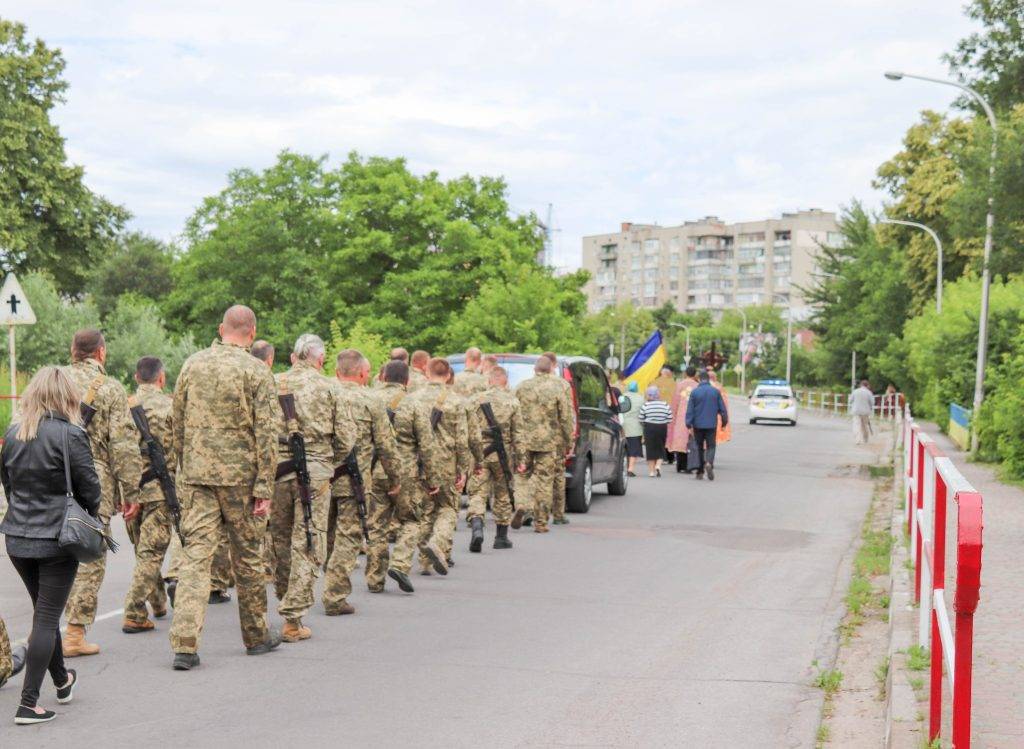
[(14, 310)]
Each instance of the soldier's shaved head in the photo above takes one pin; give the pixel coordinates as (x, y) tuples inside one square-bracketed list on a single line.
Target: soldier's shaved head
[(473, 355), (87, 344), (489, 362), (497, 376), (543, 365), (238, 326), (264, 351), (396, 371), (351, 363), (439, 369), (420, 359), (399, 354)]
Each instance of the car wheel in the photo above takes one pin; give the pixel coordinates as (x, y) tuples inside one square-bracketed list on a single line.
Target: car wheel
[(617, 487), (579, 495)]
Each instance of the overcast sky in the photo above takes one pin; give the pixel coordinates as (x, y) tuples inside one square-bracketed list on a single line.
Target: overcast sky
[(644, 111)]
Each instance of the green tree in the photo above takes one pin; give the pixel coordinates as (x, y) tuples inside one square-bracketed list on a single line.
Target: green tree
[(49, 219), (135, 329), (49, 340), (370, 345), (137, 264), (614, 326), (992, 60)]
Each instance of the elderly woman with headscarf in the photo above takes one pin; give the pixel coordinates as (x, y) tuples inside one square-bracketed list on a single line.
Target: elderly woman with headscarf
[(632, 427), (655, 415)]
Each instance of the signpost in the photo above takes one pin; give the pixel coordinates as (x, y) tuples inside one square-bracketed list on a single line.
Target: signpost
[(14, 310)]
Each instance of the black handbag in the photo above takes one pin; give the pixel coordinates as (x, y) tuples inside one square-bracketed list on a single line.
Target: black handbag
[(81, 535)]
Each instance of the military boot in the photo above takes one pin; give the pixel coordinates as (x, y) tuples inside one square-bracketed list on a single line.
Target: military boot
[(476, 543), (517, 519), (74, 643), (501, 540), (294, 631), (132, 627)]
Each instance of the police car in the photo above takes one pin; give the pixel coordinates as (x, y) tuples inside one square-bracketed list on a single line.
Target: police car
[(773, 400)]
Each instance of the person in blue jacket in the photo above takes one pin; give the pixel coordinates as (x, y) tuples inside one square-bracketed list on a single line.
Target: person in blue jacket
[(702, 411)]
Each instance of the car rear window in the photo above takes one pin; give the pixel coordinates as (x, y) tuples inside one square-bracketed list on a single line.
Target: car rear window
[(773, 392)]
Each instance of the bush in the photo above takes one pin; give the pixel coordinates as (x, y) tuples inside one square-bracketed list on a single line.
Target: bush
[(1000, 427), (135, 329), (49, 340)]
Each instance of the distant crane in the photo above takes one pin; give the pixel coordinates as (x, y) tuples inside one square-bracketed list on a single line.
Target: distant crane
[(546, 256)]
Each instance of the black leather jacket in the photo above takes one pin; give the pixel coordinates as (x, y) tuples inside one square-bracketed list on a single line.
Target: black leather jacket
[(33, 477)]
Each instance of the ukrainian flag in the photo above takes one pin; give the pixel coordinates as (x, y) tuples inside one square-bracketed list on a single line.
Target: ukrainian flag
[(645, 365)]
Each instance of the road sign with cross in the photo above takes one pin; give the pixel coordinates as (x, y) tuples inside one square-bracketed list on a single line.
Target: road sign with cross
[(14, 306)]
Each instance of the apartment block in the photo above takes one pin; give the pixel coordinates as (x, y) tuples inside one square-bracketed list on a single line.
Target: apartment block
[(708, 264)]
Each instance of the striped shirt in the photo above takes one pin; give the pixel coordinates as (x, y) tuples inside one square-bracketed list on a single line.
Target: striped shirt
[(655, 412)]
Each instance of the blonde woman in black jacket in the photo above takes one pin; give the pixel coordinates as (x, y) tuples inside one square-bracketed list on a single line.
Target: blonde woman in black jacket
[(32, 472)]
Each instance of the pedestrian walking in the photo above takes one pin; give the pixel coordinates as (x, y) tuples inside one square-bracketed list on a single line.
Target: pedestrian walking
[(679, 437), (633, 428), (655, 415), (704, 411), (44, 451), (862, 403)]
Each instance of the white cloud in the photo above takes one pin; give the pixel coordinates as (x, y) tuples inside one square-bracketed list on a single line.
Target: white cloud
[(653, 110)]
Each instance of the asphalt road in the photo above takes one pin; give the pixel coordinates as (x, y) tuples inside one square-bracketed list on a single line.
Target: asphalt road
[(684, 614)]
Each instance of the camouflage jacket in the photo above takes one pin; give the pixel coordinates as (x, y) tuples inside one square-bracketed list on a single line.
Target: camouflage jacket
[(546, 416), (375, 437), (567, 394), (439, 452), (158, 406), (112, 434), (390, 395), (473, 455), (325, 419), (226, 420), (416, 379), (506, 414), (470, 382)]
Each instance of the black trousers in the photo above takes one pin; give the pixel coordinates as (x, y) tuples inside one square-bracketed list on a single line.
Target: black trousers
[(706, 440), (48, 582)]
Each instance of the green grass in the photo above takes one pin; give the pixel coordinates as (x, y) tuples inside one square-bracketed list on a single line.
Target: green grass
[(916, 683), (828, 681), (824, 733), (882, 673), (859, 595), (918, 658)]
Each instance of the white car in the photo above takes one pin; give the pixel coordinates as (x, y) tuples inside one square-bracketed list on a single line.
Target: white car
[(773, 400)]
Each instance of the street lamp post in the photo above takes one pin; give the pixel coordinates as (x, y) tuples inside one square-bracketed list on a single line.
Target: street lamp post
[(979, 370), (743, 361), (789, 337), (687, 329), (938, 264)]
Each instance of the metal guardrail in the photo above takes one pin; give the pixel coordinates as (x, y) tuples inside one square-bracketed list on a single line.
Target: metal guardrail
[(887, 405), (929, 480)]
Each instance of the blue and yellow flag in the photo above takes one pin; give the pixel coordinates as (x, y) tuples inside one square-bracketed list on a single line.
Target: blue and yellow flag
[(645, 365)]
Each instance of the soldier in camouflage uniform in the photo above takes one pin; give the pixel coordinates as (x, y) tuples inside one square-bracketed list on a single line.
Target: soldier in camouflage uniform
[(418, 370), (225, 435), (151, 526), (12, 660), (115, 451), (444, 452), (491, 481), (558, 500), (472, 454), (222, 577), (325, 422), (470, 381), (264, 351), (375, 449), (546, 422)]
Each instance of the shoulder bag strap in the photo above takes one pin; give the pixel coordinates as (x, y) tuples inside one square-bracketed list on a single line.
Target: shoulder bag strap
[(67, 463)]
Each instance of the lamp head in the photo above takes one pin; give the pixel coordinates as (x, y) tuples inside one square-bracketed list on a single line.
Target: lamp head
[(893, 75)]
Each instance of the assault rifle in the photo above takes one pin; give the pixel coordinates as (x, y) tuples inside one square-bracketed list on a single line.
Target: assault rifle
[(157, 470), (297, 465), (350, 468), (497, 447)]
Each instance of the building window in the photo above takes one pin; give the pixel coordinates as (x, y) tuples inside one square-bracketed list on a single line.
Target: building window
[(673, 259), (650, 288), (782, 268), (749, 239), (673, 286), (782, 237), (635, 263), (635, 245), (754, 282), (650, 301), (652, 245), (782, 282), (651, 274)]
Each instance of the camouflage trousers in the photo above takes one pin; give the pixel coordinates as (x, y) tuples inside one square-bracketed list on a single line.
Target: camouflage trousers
[(82, 601), (440, 513), (151, 531), (297, 566), (491, 485), (542, 469), (388, 512), (558, 497), (6, 660), (347, 541), (221, 575), (206, 510)]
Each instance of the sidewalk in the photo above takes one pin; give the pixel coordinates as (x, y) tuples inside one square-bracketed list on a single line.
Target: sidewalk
[(998, 705)]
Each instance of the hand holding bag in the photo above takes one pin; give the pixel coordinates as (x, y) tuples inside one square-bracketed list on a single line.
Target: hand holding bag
[(81, 535)]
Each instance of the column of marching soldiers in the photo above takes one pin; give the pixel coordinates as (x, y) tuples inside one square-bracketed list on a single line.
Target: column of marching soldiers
[(246, 476)]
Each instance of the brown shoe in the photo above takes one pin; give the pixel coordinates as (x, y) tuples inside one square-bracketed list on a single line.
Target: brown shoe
[(131, 626), (295, 630), (159, 613), (341, 610), (73, 644), (541, 529), (517, 519)]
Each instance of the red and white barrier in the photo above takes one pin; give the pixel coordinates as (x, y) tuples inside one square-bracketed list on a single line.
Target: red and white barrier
[(930, 480)]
